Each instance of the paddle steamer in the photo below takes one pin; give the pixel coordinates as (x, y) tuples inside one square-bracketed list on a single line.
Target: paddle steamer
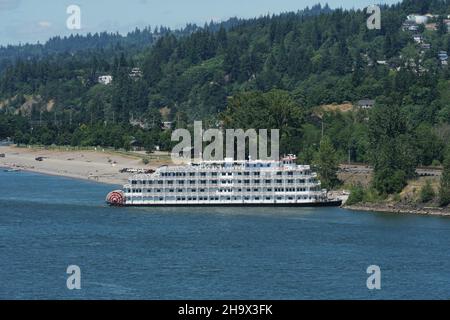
[(226, 183)]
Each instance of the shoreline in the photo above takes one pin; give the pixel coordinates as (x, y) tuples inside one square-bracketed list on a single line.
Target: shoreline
[(60, 175), (398, 209), (88, 165), (103, 167)]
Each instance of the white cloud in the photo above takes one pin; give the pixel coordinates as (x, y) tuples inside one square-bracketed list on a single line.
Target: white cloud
[(44, 24)]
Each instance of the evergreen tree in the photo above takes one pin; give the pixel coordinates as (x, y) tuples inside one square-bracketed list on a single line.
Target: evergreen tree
[(327, 164), (391, 148)]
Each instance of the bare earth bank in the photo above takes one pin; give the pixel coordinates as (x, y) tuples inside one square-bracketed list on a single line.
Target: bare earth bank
[(100, 166)]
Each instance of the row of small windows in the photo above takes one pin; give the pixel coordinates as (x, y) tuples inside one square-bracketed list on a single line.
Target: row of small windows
[(247, 181), (222, 190), (215, 198), (225, 174)]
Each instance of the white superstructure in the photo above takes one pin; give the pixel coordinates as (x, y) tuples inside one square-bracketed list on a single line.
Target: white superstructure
[(229, 182)]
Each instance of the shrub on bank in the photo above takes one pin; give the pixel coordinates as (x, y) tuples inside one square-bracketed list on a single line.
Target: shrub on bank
[(356, 195), (427, 193), (359, 194)]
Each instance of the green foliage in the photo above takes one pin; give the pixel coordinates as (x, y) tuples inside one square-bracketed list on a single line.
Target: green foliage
[(388, 181), (269, 72), (97, 134), (444, 190), (427, 192), (392, 149), (357, 194), (275, 109), (327, 164)]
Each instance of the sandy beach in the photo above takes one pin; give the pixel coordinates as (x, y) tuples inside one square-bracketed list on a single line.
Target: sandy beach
[(101, 166)]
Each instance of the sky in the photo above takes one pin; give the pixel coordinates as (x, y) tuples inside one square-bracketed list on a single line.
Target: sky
[(23, 21)]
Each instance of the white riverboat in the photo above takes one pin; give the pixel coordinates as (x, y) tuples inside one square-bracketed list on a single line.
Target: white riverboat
[(226, 183)]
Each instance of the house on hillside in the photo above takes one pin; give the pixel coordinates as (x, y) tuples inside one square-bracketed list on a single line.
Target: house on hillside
[(410, 26), (135, 73), (365, 104), (443, 55), (167, 125), (106, 79), (418, 38), (418, 19)]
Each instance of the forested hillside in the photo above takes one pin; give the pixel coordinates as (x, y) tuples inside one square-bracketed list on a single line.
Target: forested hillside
[(268, 72)]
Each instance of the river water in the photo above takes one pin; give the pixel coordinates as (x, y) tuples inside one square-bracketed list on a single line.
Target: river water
[(48, 223)]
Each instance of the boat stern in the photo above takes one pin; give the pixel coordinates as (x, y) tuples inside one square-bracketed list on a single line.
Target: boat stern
[(116, 198)]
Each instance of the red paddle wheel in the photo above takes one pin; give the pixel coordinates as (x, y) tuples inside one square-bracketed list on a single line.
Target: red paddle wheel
[(115, 198)]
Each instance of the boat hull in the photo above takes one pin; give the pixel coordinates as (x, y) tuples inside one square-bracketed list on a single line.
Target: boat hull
[(336, 203)]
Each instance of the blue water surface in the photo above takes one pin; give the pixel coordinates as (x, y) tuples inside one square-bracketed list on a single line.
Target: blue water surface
[(48, 223)]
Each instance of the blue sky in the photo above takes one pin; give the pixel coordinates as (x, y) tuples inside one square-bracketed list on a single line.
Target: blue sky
[(24, 21)]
